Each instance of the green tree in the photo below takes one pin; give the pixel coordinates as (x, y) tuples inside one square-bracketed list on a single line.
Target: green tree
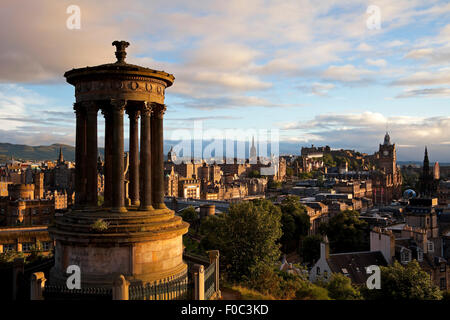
[(254, 174), (310, 250), (404, 282), (340, 288), (247, 238), (346, 232), (189, 214), (289, 172), (295, 222)]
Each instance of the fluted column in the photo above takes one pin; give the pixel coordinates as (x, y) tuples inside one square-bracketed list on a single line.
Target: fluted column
[(118, 200), (146, 160), (157, 155), (91, 155), (80, 156), (107, 193), (133, 170)]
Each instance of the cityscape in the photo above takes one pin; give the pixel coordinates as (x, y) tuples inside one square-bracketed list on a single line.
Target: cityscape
[(279, 150)]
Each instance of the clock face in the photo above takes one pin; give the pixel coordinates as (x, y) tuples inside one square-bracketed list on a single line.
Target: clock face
[(385, 152)]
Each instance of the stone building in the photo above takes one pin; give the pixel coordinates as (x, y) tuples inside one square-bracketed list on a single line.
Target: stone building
[(24, 239), (387, 179)]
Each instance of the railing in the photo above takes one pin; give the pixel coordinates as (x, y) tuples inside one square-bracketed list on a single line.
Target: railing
[(63, 293), (210, 281), (180, 288)]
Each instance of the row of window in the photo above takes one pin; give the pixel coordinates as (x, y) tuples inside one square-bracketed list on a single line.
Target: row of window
[(27, 246)]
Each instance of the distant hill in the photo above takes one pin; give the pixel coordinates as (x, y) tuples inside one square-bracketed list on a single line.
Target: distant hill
[(39, 153)]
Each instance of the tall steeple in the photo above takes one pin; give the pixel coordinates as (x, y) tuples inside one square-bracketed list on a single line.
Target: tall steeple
[(61, 157), (426, 164), (253, 151)]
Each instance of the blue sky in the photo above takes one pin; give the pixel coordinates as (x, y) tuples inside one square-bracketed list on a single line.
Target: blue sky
[(313, 70)]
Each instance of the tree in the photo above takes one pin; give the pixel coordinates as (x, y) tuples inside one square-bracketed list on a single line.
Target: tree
[(254, 174), (340, 288), (289, 172), (247, 238), (404, 282), (295, 222), (346, 232), (310, 250), (189, 214)]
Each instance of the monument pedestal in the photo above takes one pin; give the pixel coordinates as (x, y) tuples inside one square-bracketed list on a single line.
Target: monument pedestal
[(144, 246)]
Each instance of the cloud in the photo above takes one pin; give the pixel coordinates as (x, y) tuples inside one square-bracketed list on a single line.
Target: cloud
[(363, 131), (380, 63), (428, 93), (346, 73), (424, 78)]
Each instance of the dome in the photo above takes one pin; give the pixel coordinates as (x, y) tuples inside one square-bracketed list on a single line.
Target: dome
[(408, 194)]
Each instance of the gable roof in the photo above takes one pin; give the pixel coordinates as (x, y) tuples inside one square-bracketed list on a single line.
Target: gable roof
[(354, 264)]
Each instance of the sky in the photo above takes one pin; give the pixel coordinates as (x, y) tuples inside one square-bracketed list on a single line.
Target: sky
[(337, 73)]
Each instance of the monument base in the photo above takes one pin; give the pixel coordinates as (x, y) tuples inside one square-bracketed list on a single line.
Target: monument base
[(143, 246)]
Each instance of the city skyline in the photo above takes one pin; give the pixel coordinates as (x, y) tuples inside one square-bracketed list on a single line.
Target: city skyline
[(318, 73)]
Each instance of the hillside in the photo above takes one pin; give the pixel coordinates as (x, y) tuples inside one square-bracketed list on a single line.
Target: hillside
[(24, 152)]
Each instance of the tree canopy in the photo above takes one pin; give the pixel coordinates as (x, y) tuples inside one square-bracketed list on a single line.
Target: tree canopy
[(405, 282), (346, 232), (247, 237)]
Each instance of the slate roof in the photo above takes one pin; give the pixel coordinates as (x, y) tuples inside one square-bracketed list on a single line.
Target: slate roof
[(354, 264)]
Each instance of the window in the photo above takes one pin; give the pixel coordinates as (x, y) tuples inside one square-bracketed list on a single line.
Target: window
[(442, 267), (430, 246), (442, 284), (405, 256), (419, 255), (325, 274), (46, 246), (27, 247), (9, 247), (318, 271)]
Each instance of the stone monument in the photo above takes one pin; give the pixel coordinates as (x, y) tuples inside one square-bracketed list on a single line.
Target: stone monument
[(138, 237)]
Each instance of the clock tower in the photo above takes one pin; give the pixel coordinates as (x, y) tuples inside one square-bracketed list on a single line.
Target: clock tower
[(387, 154)]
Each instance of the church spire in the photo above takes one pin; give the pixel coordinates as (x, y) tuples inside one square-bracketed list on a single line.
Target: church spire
[(61, 157), (426, 163)]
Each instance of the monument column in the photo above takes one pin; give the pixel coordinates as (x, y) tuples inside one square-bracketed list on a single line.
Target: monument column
[(157, 155), (108, 157), (80, 155), (91, 155), (146, 160), (118, 200), (133, 170)]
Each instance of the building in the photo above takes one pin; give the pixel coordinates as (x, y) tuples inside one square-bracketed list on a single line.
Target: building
[(353, 264), (25, 239), (428, 184), (189, 188), (387, 179)]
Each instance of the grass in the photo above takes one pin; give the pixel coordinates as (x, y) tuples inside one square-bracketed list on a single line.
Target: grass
[(243, 293)]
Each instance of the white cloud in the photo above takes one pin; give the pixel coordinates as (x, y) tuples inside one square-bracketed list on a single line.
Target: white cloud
[(381, 63)]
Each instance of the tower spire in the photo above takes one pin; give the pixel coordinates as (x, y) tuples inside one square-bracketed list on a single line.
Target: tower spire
[(61, 157)]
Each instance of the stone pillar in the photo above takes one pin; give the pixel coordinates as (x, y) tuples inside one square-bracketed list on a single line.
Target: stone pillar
[(107, 193), (199, 282), (18, 270), (133, 171), (118, 200), (120, 288), (157, 155), (146, 159), (37, 286), (91, 155), (80, 156)]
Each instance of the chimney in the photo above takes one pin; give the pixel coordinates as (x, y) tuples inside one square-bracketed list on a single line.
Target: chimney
[(324, 248)]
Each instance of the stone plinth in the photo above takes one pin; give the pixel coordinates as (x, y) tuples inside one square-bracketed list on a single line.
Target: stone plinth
[(145, 246)]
